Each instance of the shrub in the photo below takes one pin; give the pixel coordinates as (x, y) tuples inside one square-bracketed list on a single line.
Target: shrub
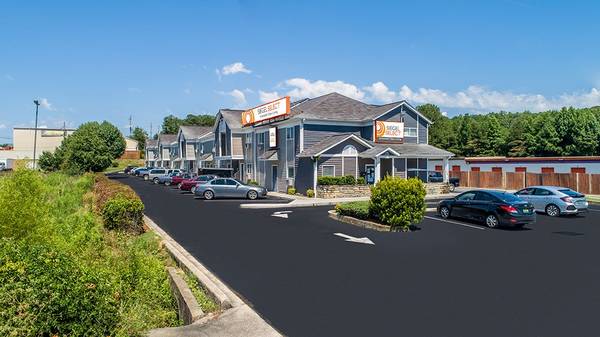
[(398, 202), (115, 164), (48, 162), (291, 190), (125, 213), (310, 193), (345, 180), (361, 181), (356, 209), (252, 182)]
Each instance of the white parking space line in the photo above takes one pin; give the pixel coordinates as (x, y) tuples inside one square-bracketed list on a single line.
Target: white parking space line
[(454, 222)]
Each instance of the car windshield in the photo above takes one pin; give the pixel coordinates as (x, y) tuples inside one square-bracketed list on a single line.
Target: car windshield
[(571, 193), (506, 197), (239, 182)]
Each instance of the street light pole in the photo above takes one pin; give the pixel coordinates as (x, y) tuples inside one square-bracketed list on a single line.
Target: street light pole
[(37, 105)]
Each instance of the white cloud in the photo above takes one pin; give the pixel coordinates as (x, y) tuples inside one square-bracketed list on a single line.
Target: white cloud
[(266, 96), (134, 90), (239, 98), (187, 91), (231, 69), (302, 88), (380, 92), (45, 104)]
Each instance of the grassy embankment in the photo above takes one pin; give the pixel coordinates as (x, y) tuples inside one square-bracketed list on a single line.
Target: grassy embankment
[(123, 163), (63, 273)]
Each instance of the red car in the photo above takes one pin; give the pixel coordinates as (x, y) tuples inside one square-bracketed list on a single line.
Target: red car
[(189, 184), (178, 179)]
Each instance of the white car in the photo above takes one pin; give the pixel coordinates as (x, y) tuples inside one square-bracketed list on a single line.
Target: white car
[(155, 173)]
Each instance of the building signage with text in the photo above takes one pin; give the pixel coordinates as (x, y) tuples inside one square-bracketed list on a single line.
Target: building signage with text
[(277, 108), (272, 137), (389, 131)]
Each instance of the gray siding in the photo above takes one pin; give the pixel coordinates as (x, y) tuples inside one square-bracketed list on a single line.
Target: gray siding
[(335, 161), (304, 175), (361, 165), (410, 121), (315, 133), (340, 147), (423, 131), (350, 166)]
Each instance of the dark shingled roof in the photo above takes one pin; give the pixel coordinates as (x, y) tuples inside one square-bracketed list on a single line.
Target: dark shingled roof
[(269, 155), (416, 150), (338, 107), (194, 131), (166, 139), (151, 143), (233, 118), (326, 143)]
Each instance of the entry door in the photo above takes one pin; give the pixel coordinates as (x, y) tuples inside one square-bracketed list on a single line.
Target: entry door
[(370, 173), (274, 178)]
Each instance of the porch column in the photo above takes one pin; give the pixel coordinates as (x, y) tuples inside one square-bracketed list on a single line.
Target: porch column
[(377, 170), (446, 169), (315, 176), (393, 167)]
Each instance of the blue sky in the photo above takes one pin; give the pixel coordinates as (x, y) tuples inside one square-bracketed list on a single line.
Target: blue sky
[(112, 59)]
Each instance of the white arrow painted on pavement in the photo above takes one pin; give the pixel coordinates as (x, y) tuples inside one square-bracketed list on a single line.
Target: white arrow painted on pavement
[(281, 214), (349, 238)]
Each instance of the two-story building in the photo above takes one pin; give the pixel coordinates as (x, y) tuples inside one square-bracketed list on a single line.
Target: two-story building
[(167, 150), (283, 143), (191, 144), (151, 152)]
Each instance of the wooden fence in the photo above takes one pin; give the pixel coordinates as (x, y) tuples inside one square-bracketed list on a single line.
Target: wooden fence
[(582, 182)]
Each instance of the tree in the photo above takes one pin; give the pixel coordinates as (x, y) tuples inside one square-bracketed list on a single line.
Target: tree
[(171, 124), (439, 134), (140, 136), (113, 138)]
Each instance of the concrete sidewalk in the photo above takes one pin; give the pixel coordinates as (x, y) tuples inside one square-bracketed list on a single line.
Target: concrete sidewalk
[(302, 201)]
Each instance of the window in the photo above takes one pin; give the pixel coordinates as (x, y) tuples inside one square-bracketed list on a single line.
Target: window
[(249, 168), (260, 139), (521, 169), (328, 171), (218, 182), (290, 172), (543, 192), (577, 169), (526, 191), (289, 133), (349, 150), (249, 139), (547, 169), (230, 182), (482, 196), (410, 132), (466, 196)]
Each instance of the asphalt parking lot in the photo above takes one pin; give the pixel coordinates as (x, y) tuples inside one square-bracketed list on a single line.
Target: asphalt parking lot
[(450, 278)]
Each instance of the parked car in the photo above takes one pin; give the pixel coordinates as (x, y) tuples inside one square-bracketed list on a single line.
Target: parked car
[(189, 184), (140, 171), (2, 166), (166, 179), (554, 200), (155, 174), (175, 180), (128, 169), (437, 177), (494, 208), (229, 188)]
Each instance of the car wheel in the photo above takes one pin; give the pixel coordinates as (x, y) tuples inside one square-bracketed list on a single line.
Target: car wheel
[(145, 177), (155, 181), (208, 195), (252, 195), (452, 188), (179, 186), (444, 212), (193, 190), (552, 210), (491, 221)]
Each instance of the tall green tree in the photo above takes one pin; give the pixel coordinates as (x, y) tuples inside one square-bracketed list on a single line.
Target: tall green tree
[(140, 136)]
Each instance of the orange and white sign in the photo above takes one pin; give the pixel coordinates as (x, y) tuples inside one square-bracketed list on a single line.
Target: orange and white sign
[(277, 108), (392, 131)]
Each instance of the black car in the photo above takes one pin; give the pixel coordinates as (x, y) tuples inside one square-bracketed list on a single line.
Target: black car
[(494, 208), (437, 177)]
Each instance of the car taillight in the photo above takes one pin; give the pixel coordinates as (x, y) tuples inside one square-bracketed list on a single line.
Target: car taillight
[(567, 199), (509, 209)]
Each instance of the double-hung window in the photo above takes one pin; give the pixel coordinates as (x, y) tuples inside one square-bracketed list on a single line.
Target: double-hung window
[(410, 132), (328, 171)]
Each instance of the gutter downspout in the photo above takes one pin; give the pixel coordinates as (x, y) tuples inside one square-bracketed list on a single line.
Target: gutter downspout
[(315, 160)]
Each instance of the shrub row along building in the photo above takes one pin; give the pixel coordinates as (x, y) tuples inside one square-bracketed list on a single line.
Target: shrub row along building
[(283, 143)]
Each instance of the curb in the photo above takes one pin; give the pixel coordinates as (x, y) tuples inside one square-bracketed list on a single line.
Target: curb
[(236, 318), (189, 309), (298, 203), (359, 222)]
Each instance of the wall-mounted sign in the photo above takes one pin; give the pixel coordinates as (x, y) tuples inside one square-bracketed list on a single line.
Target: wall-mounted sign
[(277, 108), (389, 131), (272, 137)]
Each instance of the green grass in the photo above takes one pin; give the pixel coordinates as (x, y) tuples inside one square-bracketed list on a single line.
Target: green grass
[(205, 302), (123, 163), (63, 273), (593, 198)]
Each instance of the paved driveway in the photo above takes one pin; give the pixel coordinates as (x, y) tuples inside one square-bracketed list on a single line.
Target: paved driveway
[(447, 279)]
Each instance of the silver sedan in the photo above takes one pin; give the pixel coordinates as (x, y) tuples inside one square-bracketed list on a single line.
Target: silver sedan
[(554, 200), (229, 188)]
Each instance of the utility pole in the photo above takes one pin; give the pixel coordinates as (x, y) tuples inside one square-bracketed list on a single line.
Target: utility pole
[(130, 125), (151, 135), (37, 105)]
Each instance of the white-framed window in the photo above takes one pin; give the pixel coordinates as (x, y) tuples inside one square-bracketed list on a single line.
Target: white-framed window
[(328, 171), (248, 139), (410, 132), (260, 139), (248, 168), (349, 150), (291, 172), (289, 134)]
